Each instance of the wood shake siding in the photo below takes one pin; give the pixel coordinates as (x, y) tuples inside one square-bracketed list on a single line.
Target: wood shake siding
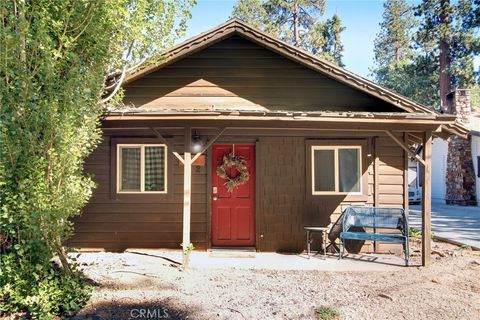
[(284, 205), (238, 73), (116, 222), (391, 177)]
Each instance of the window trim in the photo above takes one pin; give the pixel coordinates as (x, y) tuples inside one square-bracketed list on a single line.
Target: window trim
[(335, 148), (142, 167)]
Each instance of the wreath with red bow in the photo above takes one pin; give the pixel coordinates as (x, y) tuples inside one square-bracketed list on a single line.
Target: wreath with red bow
[(240, 164)]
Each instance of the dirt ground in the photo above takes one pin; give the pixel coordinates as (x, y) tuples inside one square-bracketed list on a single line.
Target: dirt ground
[(135, 286)]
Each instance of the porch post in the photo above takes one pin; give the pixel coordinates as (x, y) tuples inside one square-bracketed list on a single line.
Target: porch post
[(426, 198), (187, 196)]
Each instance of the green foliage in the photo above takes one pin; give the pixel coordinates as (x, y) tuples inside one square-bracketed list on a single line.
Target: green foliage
[(392, 43), (416, 78), (407, 50), (190, 247), (442, 21), (414, 233), (326, 313), (412, 73), (296, 22), (47, 291), (54, 60), (475, 96), (324, 39)]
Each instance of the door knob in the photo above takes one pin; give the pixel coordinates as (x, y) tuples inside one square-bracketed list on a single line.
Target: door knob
[(215, 198)]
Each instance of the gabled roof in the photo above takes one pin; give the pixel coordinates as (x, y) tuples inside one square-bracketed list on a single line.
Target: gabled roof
[(238, 27)]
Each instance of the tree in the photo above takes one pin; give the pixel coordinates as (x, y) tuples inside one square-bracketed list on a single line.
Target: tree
[(55, 58), (444, 26), (296, 22), (393, 42), (412, 73), (416, 78), (325, 40), (437, 54)]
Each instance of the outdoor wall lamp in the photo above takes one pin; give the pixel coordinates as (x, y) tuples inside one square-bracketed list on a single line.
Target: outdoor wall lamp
[(197, 143)]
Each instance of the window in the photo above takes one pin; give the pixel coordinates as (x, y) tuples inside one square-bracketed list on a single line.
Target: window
[(336, 170), (141, 168)]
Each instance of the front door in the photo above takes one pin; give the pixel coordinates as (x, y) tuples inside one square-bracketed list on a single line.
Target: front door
[(233, 213)]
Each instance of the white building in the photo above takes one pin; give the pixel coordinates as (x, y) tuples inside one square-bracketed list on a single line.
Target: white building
[(439, 160)]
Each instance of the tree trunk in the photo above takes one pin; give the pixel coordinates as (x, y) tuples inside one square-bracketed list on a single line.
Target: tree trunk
[(295, 24), (445, 77)]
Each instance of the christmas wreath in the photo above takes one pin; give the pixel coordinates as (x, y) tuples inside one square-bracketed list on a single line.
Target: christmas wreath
[(237, 162)]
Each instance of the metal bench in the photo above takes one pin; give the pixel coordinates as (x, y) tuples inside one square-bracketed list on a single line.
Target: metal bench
[(375, 218)]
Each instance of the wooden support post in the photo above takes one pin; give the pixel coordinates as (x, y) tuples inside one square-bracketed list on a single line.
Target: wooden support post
[(405, 176), (426, 199), (187, 161), (187, 196), (187, 199)]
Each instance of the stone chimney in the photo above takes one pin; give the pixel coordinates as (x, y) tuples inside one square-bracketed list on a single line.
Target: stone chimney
[(460, 189)]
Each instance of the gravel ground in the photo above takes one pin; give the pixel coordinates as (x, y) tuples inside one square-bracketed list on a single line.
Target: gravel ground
[(133, 286)]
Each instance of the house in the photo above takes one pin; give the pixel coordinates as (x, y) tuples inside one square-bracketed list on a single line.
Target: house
[(461, 100), (303, 138)]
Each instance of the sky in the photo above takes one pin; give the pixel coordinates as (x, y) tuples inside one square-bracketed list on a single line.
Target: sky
[(360, 17)]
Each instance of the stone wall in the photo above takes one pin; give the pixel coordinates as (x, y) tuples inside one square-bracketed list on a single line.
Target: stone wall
[(460, 177)]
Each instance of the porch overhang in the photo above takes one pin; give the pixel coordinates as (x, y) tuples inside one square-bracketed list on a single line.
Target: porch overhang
[(441, 125), (421, 127)]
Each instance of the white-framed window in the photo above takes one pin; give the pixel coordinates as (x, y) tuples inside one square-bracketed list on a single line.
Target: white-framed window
[(336, 170), (141, 168)]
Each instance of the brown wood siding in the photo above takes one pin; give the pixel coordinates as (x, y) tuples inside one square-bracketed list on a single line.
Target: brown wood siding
[(139, 220), (284, 205), (391, 173), (238, 73)]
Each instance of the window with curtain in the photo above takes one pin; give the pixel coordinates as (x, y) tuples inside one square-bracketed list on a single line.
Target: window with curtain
[(142, 168), (336, 169)]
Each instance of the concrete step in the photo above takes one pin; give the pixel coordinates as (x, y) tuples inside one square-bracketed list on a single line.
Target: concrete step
[(233, 252)]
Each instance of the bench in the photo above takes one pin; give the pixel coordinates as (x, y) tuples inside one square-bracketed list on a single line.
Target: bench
[(375, 218)]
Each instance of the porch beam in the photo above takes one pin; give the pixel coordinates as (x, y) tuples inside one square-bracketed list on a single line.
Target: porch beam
[(405, 147), (414, 137), (162, 138), (209, 144), (426, 199)]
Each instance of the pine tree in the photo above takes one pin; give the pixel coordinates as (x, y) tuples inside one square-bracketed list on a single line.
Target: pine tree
[(438, 56), (333, 47), (296, 22), (393, 42), (412, 73), (450, 30)]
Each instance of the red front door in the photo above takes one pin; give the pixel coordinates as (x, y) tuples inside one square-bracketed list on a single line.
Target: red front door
[(233, 213)]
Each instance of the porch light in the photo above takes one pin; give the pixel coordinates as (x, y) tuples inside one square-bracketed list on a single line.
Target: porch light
[(197, 144)]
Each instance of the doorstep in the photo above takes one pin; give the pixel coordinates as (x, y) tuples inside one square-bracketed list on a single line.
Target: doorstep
[(232, 252)]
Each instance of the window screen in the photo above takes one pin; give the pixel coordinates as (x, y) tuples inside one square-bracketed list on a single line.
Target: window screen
[(154, 168), (349, 170), (131, 169), (324, 168)]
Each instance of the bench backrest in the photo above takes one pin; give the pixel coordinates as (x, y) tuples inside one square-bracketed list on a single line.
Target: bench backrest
[(373, 217)]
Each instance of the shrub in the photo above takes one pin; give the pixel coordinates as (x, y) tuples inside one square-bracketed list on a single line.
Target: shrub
[(56, 58), (326, 313)]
